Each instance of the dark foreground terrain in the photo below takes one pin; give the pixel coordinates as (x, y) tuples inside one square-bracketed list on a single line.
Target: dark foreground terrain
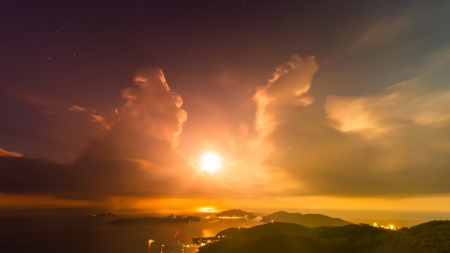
[(433, 236)]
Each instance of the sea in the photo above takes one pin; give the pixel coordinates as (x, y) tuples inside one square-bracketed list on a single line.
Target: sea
[(57, 232), (76, 230)]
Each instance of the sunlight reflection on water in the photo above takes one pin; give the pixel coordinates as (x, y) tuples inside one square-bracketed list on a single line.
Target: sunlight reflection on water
[(207, 233)]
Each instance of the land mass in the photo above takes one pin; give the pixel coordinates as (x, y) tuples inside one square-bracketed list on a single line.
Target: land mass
[(289, 238), (307, 220), (171, 219), (103, 215), (236, 213)]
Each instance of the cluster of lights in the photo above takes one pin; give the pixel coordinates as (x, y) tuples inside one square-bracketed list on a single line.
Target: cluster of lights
[(207, 242), (231, 217), (391, 227)]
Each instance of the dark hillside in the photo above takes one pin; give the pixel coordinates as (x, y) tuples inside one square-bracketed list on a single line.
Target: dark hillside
[(433, 237), (244, 235), (307, 220)]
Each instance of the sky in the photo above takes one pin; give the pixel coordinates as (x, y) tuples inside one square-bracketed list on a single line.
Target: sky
[(309, 105)]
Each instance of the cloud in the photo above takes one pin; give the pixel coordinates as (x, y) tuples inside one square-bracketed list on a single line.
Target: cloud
[(402, 105), (21, 175), (286, 91), (160, 118), (407, 133), (77, 108), (48, 112), (437, 60), (133, 156), (385, 31), (9, 153), (287, 88), (391, 144), (97, 118)]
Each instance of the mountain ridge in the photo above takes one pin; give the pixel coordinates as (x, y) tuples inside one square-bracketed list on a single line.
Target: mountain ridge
[(275, 237), (237, 212), (307, 220)]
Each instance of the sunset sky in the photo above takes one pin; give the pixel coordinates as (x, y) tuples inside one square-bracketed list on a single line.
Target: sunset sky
[(307, 105)]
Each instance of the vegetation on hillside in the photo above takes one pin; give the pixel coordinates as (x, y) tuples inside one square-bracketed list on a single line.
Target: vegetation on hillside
[(433, 237), (307, 220)]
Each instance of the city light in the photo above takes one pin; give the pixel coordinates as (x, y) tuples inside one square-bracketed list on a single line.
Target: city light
[(391, 227), (149, 244)]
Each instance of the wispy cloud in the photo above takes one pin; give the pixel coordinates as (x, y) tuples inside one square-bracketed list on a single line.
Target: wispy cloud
[(77, 108), (48, 112), (9, 153), (98, 118)]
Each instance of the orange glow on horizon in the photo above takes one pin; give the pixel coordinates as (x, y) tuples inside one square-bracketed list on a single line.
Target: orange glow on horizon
[(208, 210)]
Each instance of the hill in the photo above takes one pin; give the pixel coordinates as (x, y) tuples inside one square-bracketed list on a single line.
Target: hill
[(236, 213), (250, 235), (103, 215), (307, 220), (277, 237)]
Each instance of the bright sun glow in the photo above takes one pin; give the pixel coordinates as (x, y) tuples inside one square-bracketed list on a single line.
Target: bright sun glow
[(210, 162), (208, 210)]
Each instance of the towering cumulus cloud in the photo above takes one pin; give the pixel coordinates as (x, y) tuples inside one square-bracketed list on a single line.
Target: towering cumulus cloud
[(392, 144), (133, 155), (152, 108), (287, 89)]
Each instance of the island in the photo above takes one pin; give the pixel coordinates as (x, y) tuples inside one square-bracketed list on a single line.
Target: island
[(103, 215), (235, 214), (169, 219), (307, 220)]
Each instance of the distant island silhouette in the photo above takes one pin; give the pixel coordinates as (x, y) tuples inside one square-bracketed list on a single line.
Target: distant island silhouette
[(236, 213), (307, 220), (103, 215), (170, 219)]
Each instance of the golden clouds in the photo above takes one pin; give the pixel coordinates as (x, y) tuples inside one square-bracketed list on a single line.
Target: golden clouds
[(390, 144), (132, 156), (288, 86), (358, 114), (402, 105), (152, 108)]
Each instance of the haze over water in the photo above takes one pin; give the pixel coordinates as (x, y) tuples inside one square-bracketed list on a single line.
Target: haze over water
[(69, 232), (75, 230)]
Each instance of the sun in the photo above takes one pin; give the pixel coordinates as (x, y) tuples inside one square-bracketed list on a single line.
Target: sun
[(210, 162)]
